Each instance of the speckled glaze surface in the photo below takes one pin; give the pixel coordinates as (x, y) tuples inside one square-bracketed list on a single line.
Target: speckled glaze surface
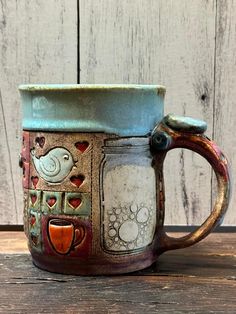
[(125, 110), (92, 159)]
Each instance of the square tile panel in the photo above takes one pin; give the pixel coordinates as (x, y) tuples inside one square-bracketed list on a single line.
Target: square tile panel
[(34, 227), (34, 201), (77, 204), (75, 242), (52, 202)]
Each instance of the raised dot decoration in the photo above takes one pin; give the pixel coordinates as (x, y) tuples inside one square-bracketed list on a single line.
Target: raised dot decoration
[(130, 227), (128, 231), (160, 140)]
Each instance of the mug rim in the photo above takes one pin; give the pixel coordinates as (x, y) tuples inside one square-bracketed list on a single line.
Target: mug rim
[(91, 87)]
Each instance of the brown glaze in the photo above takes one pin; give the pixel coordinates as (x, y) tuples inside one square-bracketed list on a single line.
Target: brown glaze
[(198, 142)]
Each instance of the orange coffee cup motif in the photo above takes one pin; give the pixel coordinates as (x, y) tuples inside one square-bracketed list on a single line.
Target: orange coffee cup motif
[(64, 236)]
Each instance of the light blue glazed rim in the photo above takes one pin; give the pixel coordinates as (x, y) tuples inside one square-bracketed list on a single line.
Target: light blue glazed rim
[(121, 109), (160, 89)]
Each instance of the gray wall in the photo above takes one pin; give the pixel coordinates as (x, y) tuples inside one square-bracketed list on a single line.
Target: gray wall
[(187, 45)]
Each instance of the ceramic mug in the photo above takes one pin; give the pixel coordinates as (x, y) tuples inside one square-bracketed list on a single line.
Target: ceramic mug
[(92, 159)]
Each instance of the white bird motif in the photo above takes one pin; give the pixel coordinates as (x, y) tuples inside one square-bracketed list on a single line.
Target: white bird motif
[(55, 165)]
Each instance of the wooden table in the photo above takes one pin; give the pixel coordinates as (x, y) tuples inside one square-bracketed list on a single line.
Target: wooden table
[(200, 279)]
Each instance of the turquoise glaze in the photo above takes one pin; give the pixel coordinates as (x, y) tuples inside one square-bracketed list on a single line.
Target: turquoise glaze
[(125, 110), (185, 124)]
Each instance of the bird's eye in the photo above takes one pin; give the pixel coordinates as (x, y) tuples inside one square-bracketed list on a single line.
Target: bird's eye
[(66, 157)]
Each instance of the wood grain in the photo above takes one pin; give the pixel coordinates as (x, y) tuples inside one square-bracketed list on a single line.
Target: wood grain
[(225, 91), (13, 242), (38, 45), (189, 46), (200, 279), (166, 42)]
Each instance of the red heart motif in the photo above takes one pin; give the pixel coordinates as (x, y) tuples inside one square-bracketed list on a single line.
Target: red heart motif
[(35, 181), (51, 201), (77, 180), (33, 198), (82, 146), (75, 202), (32, 220), (40, 141)]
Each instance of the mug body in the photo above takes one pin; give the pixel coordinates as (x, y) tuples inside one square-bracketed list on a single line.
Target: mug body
[(92, 197)]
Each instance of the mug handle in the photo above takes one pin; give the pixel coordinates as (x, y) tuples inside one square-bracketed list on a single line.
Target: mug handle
[(79, 236), (183, 132)]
